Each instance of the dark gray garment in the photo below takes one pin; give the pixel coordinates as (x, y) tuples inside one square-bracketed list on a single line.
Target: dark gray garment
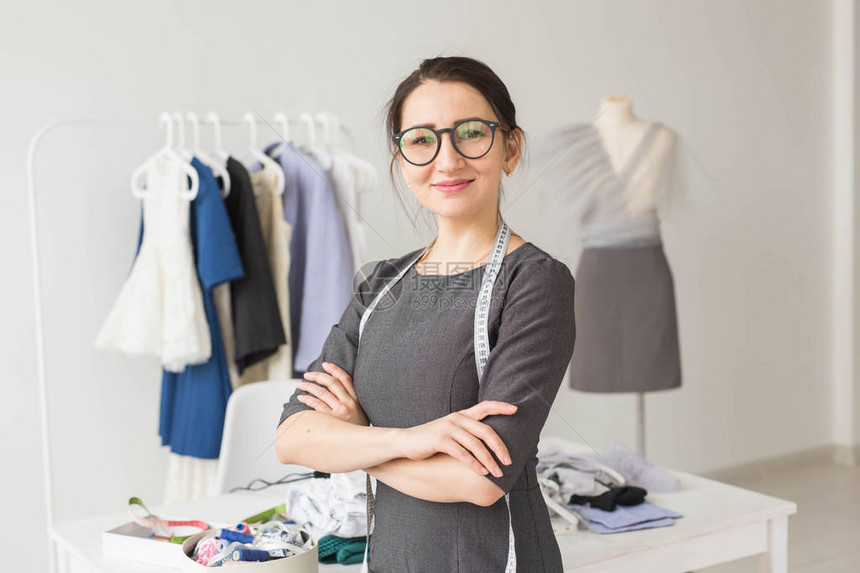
[(257, 327), (628, 329), (417, 364)]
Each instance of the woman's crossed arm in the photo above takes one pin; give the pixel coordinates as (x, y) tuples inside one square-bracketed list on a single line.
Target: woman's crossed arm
[(443, 460)]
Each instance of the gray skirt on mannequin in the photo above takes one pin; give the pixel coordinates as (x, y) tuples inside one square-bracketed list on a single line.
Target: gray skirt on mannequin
[(626, 324)]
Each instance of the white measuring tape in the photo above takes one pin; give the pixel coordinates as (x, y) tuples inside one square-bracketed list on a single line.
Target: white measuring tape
[(482, 352)]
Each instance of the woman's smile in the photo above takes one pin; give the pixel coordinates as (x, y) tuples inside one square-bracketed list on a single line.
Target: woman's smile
[(452, 185)]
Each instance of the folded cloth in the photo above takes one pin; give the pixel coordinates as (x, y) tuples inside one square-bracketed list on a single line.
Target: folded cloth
[(351, 552), (602, 529), (575, 475), (344, 550), (636, 470), (642, 516), (624, 495)]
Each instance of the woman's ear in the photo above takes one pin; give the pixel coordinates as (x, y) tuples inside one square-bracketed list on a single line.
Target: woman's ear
[(402, 164), (513, 148)]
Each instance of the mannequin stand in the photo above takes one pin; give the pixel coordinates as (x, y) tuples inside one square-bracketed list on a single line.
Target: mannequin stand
[(640, 415)]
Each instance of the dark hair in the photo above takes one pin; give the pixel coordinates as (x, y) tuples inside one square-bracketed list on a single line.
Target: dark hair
[(451, 69)]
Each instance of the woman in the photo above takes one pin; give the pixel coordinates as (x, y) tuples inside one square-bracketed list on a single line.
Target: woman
[(454, 457)]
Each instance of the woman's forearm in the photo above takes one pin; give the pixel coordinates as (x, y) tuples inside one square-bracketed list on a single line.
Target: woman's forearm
[(325, 443), (439, 478)]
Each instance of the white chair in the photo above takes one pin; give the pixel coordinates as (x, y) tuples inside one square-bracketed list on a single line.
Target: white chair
[(247, 446)]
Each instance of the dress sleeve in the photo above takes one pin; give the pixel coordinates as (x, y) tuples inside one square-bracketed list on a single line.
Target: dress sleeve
[(528, 360), (341, 345), (218, 258), (684, 179)]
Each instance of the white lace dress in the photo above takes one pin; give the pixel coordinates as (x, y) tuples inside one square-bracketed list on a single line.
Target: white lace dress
[(159, 310)]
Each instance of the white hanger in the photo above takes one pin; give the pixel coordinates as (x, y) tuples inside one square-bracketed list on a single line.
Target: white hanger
[(324, 153), (331, 129), (281, 118), (324, 120), (165, 121), (268, 162), (363, 171), (216, 166), (219, 151), (312, 131), (182, 149), (316, 147)]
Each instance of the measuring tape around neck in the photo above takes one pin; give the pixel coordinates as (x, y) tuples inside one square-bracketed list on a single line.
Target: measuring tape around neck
[(482, 352)]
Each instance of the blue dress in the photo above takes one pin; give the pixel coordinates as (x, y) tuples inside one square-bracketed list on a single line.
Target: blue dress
[(194, 401)]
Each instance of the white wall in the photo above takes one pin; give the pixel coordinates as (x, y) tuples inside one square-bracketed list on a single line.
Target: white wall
[(747, 84), (856, 114), (853, 170)]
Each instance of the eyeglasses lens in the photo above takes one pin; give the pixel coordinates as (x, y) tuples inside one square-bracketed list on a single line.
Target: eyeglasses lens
[(471, 138)]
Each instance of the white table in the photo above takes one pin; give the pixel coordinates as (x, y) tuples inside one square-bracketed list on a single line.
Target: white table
[(721, 523)]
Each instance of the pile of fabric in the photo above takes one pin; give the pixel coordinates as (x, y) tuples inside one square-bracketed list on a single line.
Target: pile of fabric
[(604, 492), (334, 511)]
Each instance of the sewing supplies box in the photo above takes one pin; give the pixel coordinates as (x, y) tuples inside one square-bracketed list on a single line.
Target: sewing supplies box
[(134, 542), (307, 562)]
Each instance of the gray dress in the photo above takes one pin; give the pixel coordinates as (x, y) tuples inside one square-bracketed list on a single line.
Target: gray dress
[(417, 364), (625, 307)]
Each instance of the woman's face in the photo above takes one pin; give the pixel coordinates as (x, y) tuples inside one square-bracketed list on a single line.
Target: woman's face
[(440, 105)]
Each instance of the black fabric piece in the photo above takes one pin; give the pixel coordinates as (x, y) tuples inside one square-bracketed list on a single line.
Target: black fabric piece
[(257, 328), (608, 500)]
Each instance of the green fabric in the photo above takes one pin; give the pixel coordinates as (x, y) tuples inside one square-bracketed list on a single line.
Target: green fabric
[(344, 550), (351, 552)]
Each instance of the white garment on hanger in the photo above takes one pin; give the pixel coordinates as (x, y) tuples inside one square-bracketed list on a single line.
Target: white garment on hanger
[(159, 310), (345, 182), (189, 478)]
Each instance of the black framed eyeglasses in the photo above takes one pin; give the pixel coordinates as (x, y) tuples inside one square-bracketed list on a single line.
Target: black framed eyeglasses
[(472, 138)]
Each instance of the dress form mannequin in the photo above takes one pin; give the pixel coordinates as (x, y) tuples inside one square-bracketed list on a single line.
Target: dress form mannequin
[(610, 177), (620, 132)]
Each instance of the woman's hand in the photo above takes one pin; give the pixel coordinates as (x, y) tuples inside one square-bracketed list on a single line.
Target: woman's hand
[(333, 394), (459, 435)]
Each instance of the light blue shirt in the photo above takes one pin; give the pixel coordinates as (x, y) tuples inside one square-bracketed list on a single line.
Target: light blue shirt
[(321, 265)]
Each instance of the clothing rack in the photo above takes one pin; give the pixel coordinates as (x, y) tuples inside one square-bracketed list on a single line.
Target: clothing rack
[(306, 120)]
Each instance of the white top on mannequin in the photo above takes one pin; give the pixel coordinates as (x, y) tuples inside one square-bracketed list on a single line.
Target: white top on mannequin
[(621, 132), (609, 175)]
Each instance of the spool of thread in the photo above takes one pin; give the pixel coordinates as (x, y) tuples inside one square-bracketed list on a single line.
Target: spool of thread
[(206, 550), (225, 555), (248, 554), (243, 528), (230, 535)]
